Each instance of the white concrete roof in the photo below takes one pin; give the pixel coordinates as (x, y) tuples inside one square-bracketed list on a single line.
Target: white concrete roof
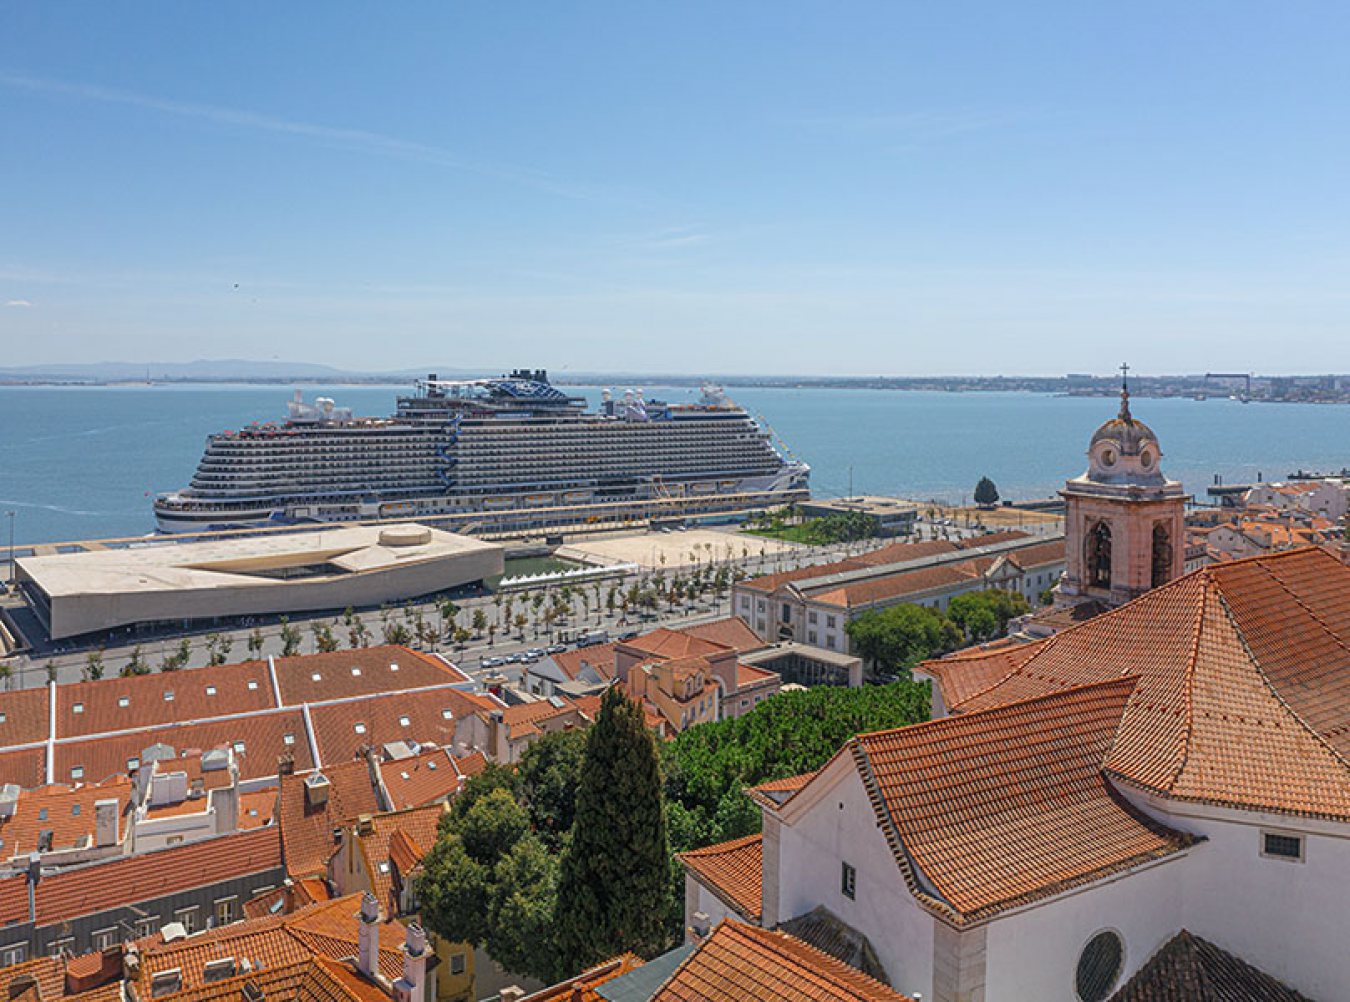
[(230, 563)]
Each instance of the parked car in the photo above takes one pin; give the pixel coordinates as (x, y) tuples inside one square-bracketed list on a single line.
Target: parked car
[(555, 648)]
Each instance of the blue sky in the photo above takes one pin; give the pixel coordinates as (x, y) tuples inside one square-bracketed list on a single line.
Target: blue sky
[(694, 187)]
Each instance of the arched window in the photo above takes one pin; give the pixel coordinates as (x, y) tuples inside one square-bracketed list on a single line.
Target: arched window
[(1099, 556), (1162, 555)]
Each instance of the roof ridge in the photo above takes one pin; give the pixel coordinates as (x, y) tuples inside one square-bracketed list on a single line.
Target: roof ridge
[(730, 845), (1270, 686), (1188, 689), (778, 942), (1133, 680)]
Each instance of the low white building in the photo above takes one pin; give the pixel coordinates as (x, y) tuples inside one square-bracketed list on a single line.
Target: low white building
[(1329, 499), (1171, 773), (359, 566)]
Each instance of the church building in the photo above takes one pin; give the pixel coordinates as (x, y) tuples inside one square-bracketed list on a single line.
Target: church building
[(1124, 520)]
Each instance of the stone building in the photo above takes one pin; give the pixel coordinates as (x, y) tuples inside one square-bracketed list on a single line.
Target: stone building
[(1124, 520)]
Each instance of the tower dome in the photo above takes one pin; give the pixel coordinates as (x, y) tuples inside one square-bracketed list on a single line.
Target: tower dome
[(1124, 450)]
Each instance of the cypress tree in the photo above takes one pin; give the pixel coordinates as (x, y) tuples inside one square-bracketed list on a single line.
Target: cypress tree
[(614, 890)]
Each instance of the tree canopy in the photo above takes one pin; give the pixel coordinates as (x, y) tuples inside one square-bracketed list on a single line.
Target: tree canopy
[(986, 494), (983, 615), (897, 638), (614, 883)]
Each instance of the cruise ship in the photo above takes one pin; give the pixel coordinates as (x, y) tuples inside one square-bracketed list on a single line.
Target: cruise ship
[(514, 451)]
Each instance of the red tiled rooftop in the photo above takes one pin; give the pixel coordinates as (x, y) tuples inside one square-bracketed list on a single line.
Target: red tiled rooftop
[(84, 890), (743, 963), (360, 672), (421, 779), (307, 829), (416, 834), (23, 716), (429, 716), (65, 811), (1243, 694), (666, 643), (1003, 807), (598, 656), (582, 988), (732, 871), (733, 632), (262, 736)]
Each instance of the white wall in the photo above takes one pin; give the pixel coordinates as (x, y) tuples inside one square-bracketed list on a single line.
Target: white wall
[(1290, 919), (1032, 955), (812, 849), (698, 898)]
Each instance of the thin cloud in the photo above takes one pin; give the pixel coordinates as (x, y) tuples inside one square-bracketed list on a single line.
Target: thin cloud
[(21, 304), (674, 237), (354, 139)]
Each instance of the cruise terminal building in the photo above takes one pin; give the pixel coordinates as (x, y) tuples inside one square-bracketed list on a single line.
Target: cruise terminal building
[(359, 566)]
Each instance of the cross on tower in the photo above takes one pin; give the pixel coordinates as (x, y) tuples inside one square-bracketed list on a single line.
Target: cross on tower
[(1125, 391), (1125, 375)]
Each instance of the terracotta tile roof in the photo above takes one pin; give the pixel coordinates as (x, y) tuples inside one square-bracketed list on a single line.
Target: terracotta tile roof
[(524, 719), (415, 833), (85, 890), (263, 737), (1000, 808), (359, 672), (49, 973), (583, 987), (25, 716), (965, 673), (732, 871), (472, 764), (904, 583), (742, 963), (327, 930), (772, 582), (431, 715), (162, 698), (25, 767), (257, 808), (1244, 694), (65, 811), (307, 829), (750, 677), (897, 553), (598, 656), (733, 632), (671, 644), (1190, 969), (422, 779), (13, 899)]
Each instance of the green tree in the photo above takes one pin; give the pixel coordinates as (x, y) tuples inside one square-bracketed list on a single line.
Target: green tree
[(546, 783), (983, 615), (136, 664), (290, 637), (522, 903), (51, 671), (479, 622), (255, 642), (614, 883), (899, 637), (93, 665), (986, 494), (453, 891)]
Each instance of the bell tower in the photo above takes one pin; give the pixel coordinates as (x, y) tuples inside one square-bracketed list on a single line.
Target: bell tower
[(1124, 528)]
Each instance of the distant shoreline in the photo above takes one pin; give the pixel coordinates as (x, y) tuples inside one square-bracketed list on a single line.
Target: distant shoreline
[(1153, 387)]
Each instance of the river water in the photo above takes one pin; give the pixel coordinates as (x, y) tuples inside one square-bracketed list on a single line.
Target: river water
[(84, 462)]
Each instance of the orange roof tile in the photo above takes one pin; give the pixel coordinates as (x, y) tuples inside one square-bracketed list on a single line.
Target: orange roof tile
[(258, 739), (1243, 697), (25, 767), (999, 808), (23, 716), (897, 553), (13, 899), (162, 698), (733, 632), (742, 963), (732, 871), (598, 656), (471, 764), (49, 974), (748, 676), (307, 829), (429, 716), (361, 672), (65, 811), (667, 643), (421, 779), (582, 988), (84, 890), (415, 832)]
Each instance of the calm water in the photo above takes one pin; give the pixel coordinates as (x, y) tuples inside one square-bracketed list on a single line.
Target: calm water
[(83, 463)]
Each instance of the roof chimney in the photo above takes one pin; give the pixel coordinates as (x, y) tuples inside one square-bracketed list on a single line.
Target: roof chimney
[(699, 926), (412, 987), (316, 789), (368, 937)]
